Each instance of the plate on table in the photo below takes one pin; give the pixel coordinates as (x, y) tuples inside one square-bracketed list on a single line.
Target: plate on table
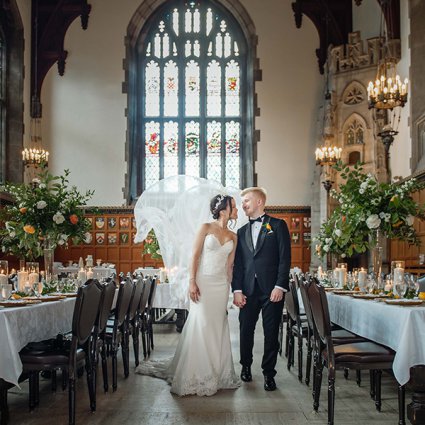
[(46, 298), (369, 296), (404, 302), (344, 292), (17, 303), (64, 294)]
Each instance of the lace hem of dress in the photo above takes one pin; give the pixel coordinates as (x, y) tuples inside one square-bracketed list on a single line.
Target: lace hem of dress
[(206, 385)]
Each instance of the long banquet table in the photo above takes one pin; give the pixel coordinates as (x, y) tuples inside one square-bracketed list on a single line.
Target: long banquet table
[(21, 325), (401, 328)]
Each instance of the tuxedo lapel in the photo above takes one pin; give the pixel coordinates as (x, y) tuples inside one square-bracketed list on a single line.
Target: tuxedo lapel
[(248, 237), (262, 234)]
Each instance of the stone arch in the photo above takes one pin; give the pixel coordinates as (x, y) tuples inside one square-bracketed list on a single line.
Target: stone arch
[(356, 125)]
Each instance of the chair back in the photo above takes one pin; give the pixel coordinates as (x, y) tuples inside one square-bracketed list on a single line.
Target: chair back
[(304, 285), (320, 311), (135, 300), (106, 302), (145, 295), (86, 310), (290, 304), (123, 301), (152, 293)]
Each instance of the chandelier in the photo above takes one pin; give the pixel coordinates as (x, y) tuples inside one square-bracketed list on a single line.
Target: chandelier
[(35, 156), (327, 155), (388, 91)]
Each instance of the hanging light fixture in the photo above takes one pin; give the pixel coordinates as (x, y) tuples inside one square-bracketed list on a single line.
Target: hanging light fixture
[(328, 155), (388, 91), (34, 155)]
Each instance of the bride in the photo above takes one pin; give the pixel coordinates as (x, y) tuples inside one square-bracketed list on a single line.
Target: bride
[(203, 363)]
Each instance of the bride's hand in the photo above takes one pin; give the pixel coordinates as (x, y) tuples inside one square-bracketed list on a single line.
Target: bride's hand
[(194, 292)]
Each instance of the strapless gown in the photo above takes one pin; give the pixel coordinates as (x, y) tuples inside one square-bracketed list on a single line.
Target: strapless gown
[(203, 362)]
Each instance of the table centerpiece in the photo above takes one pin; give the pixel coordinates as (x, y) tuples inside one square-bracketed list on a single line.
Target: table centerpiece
[(46, 213)]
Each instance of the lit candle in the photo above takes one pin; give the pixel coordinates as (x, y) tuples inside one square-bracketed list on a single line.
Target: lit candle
[(362, 278), (82, 275), (22, 279), (398, 274), (90, 274), (342, 276)]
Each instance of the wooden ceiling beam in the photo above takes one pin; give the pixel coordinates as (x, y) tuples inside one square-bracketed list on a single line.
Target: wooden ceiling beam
[(50, 21)]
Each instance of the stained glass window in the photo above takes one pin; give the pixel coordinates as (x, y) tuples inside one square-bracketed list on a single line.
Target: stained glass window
[(194, 65)]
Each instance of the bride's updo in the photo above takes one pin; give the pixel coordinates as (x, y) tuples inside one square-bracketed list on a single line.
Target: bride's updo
[(220, 203)]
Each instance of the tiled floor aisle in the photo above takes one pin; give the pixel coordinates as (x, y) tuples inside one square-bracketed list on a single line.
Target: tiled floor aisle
[(145, 400)]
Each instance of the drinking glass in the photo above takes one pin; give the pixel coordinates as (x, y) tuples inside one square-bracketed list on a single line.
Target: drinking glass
[(36, 289), (351, 281), (371, 284), (400, 287)]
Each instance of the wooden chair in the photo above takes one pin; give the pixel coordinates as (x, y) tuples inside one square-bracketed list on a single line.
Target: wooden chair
[(339, 336), (150, 318), (143, 323), (115, 329), (358, 356), (296, 328), (71, 356), (133, 316), (99, 345)]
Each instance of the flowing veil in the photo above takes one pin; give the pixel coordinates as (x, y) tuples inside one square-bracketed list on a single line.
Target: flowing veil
[(175, 208)]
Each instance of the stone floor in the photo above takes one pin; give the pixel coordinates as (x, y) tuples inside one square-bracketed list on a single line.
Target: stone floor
[(145, 400)]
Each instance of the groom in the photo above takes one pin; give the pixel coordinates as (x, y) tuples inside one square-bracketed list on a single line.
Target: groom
[(260, 280)]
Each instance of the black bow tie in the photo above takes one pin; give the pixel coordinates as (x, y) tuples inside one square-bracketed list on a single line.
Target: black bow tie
[(253, 220)]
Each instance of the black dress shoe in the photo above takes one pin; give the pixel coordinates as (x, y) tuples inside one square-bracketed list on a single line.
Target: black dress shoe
[(246, 375), (269, 383)]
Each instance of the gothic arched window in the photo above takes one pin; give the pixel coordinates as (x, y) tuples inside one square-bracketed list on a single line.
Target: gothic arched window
[(191, 105)]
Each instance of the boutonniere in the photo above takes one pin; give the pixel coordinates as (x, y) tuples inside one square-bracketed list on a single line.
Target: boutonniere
[(267, 228)]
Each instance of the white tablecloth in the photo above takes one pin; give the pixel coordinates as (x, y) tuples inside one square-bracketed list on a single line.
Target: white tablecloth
[(165, 297), (147, 272), (400, 328), (98, 272), (21, 325)]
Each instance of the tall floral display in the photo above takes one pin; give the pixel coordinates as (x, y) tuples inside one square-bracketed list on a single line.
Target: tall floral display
[(366, 208), (46, 213)]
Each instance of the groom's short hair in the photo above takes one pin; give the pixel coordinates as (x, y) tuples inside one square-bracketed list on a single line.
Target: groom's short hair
[(259, 191)]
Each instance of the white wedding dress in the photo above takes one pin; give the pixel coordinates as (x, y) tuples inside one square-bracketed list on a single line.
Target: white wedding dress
[(203, 362)]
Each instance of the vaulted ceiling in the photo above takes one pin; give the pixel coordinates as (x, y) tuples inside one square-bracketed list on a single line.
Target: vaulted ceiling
[(51, 19)]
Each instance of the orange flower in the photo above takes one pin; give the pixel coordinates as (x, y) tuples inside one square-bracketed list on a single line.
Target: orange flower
[(398, 224), (344, 218), (23, 210), (73, 218), (268, 227), (29, 229)]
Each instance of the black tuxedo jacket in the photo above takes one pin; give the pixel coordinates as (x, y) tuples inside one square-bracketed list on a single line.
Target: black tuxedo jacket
[(270, 261)]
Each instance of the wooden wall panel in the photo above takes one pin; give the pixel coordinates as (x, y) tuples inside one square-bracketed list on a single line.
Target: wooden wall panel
[(113, 230), (410, 253)]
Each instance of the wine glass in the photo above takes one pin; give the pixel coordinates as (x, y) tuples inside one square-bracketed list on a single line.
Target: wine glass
[(371, 284), (400, 287), (36, 289)]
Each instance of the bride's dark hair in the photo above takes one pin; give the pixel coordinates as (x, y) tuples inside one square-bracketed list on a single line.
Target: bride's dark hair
[(220, 203)]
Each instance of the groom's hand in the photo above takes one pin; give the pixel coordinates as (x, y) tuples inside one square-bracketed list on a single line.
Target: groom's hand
[(239, 299), (276, 295)]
